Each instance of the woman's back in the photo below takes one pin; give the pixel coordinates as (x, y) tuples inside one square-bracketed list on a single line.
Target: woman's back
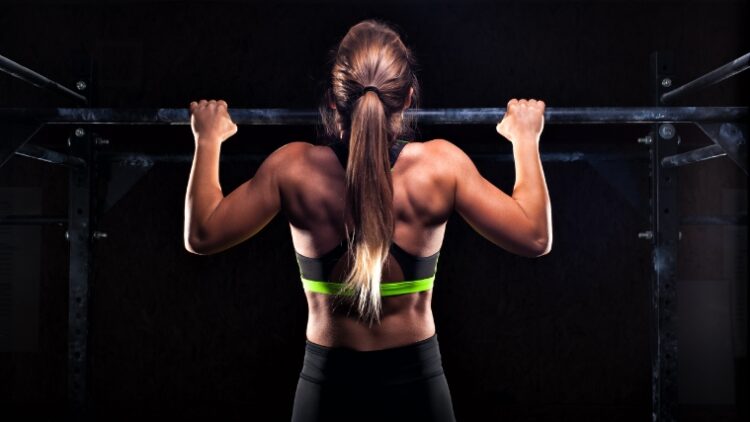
[(367, 216), (313, 199)]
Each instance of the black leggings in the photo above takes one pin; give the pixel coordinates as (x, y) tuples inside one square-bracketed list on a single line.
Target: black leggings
[(405, 383)]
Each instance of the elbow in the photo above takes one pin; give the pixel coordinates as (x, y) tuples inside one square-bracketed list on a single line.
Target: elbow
[(541, 247), (541, 241), (194, 245)]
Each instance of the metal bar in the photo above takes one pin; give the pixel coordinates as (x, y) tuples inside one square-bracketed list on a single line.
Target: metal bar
[(731, 138), (148, 160), (14, 69), (79, 226), (715, 76), (47, 155), (694, 156), (19, 220), (715, 220), (13, 135), (444, 116), (665, 235)]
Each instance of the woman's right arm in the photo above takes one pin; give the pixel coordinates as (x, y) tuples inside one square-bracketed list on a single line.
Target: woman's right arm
[(520, 223)]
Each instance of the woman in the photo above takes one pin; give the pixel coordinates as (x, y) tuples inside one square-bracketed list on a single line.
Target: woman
[(367, 214)]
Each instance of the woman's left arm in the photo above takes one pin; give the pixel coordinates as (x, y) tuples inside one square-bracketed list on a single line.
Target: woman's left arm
[(213, 222)]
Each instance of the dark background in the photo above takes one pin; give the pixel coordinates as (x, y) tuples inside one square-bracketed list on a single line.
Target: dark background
[(562, 337)]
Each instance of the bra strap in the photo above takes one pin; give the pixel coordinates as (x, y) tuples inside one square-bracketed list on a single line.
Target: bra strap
[(396, 150), (341, 149)]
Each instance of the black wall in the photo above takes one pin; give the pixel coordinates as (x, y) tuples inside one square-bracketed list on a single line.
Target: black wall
[(562, 337)]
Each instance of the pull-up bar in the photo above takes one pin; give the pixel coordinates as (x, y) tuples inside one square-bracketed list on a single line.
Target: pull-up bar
[(443, 116)]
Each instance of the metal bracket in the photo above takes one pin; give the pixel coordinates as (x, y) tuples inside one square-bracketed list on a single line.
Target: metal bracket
[(731, 137), (16, 135), (695, 156), (49, 156)]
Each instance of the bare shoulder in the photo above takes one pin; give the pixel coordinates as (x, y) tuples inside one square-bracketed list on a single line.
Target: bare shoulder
[(429, 148), (288, 153), (295, 148), (430, 179), (285, 160), (436, 160), (444, 147), (445, 154)]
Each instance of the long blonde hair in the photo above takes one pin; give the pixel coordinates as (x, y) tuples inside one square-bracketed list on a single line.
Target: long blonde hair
[(371, 54)]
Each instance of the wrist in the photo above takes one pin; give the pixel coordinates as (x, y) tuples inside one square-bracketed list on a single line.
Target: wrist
[(204, 141), (526, 141)]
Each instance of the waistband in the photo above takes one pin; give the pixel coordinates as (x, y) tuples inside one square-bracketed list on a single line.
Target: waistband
[(396, 365)]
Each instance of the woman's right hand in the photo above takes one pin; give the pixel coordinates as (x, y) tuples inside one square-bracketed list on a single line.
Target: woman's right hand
[(522, 119)]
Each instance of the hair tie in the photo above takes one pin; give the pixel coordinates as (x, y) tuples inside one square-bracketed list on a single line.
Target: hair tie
[(369, 88)]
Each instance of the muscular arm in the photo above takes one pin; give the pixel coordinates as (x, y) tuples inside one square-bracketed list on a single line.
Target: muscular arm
[(520, 223), (214, 223)]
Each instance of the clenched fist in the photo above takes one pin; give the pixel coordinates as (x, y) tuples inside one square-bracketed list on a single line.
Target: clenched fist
[(210, 121), (523, 118)]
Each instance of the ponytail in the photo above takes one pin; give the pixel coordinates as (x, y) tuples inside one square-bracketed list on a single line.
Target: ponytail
[(369, 197), (372, 81)]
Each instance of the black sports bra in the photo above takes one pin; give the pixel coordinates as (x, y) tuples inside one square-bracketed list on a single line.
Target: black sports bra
[(419, 272), (413, 267)]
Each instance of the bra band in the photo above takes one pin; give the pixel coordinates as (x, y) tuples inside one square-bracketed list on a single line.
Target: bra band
[(386, 289)]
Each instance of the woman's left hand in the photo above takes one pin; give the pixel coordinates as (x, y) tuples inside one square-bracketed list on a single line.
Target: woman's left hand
[(211, 121)]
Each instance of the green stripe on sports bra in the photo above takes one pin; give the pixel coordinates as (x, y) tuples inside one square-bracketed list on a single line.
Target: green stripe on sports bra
[(386, 289)]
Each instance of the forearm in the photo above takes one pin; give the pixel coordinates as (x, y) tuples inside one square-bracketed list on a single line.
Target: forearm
[(204, 190), (530, 189)]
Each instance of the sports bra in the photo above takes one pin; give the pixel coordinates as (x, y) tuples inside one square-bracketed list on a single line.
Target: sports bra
[(419, 272)]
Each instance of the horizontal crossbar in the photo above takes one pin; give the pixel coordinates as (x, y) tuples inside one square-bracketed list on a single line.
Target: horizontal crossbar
[(444, 116)]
